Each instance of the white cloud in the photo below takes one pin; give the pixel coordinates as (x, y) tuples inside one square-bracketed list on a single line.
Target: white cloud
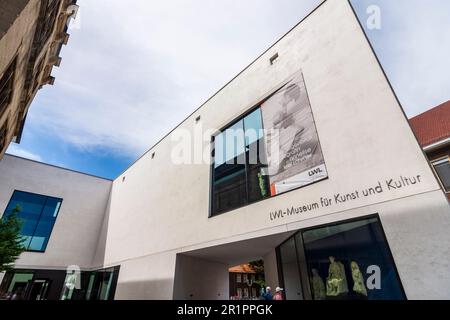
[(16, 150), (413, 46), (134, 71)]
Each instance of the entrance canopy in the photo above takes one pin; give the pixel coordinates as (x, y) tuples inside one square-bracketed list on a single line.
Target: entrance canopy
[(202, 274), (240, 252)]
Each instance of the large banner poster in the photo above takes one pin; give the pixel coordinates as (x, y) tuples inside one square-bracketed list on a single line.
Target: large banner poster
[(294, 154)]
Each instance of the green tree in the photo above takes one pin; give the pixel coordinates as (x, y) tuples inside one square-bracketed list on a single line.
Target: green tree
[(10, 240), (258, 266)]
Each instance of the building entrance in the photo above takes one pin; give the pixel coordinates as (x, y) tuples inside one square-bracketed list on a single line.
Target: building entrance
[(39, 289), (343, 260), (32, 285), (204, 274)]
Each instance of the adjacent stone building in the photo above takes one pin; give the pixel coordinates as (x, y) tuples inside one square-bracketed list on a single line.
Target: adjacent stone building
[(31, 35)]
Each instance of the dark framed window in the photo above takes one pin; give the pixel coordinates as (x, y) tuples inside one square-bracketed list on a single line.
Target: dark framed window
[(7, 85), (442, 167), (345, 261), (3, 135), (92, 285), (37, 214), (49, 14), (271, 150), (239, 164)]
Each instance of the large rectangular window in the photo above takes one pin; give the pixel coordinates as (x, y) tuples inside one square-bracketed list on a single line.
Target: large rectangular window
[(37, 214), (270, 150), (442, 168), (238, 169), (348, 260)]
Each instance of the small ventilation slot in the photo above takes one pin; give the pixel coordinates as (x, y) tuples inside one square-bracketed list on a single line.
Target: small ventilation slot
[(274, 58)]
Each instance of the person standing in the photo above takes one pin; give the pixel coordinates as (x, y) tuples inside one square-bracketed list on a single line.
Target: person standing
[(268, 294), (278, 294)]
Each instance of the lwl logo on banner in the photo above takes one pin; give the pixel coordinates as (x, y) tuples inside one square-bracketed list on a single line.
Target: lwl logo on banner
[(294, 154)]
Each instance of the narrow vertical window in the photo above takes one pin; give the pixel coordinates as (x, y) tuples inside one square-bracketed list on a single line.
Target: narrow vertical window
[(229, 185), (240, 164), (257, 178), (3, 135), (7, 85)]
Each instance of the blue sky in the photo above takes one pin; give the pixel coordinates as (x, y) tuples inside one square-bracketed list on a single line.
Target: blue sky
[(132, 72)]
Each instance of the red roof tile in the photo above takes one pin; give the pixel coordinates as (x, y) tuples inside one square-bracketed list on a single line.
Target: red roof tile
[(432, 126), (243, 268)]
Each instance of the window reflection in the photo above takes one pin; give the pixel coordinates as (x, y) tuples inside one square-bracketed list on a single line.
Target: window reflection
[(340, 260), (95, 285), (240, 165), (37, 214), (339, 256)]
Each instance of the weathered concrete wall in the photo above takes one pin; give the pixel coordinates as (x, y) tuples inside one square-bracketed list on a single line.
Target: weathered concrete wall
[(16, 42)]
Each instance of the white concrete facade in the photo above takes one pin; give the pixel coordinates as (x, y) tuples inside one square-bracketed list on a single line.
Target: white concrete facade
[(155, 222), (76, 231)]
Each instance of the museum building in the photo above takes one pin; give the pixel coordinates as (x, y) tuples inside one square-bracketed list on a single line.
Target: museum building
[(313, 168)]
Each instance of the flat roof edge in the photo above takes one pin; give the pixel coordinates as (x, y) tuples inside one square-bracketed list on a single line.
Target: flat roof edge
[(58, 167), (223, 87)]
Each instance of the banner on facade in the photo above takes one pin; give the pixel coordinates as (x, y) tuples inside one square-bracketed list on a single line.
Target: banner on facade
[(293, 149)]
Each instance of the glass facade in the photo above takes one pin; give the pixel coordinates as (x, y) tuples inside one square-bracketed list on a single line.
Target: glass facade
[(350, 260), (239, 164), (268, 151), (18, 285), (37, 214), (291, 272), (59, 284), (31, 285), (95, 285)]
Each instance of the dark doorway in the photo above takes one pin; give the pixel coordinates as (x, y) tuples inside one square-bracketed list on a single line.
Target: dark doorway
[(57, 285), (39, 289)]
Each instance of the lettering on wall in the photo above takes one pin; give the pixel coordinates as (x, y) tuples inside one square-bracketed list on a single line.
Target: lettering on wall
[(339, 198)]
